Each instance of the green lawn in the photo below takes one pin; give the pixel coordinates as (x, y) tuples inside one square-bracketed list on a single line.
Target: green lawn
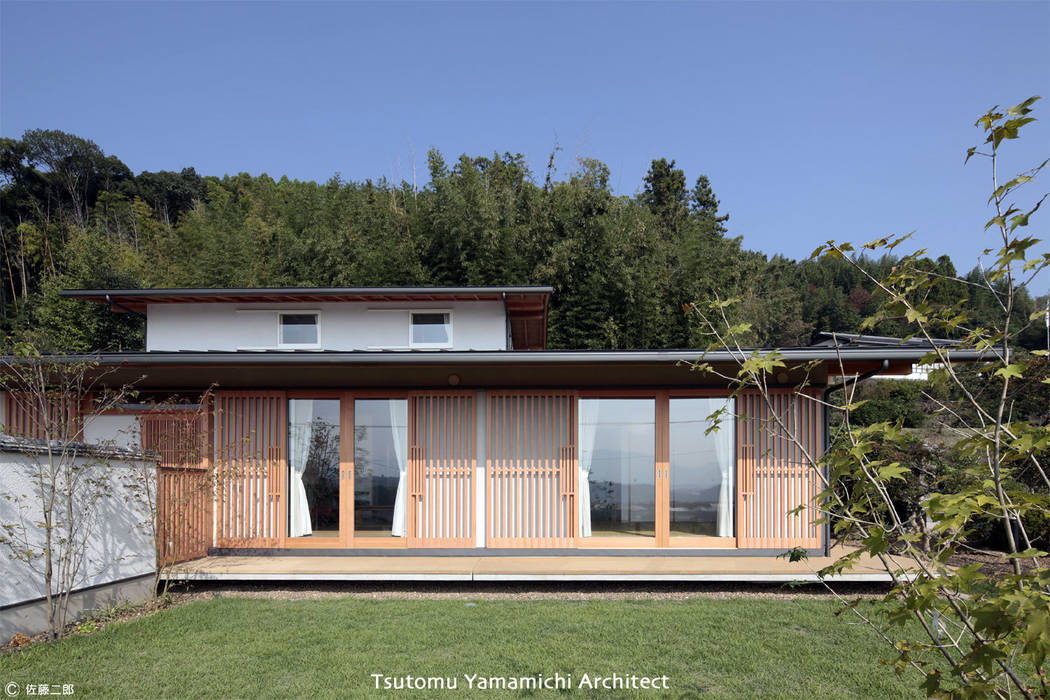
[(239, 647)]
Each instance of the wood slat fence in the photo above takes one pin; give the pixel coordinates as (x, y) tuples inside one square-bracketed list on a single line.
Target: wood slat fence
[(29, 416), (183, 441)]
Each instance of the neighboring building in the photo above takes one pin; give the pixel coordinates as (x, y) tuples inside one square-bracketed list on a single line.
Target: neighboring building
[(920, 371), (435, 419)]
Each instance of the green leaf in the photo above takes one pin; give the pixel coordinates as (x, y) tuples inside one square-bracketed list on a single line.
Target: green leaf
[(893, 471), (1030, 553), (1013, 370), (794, 555), (913, 315), (995, 221), (1023, 108)]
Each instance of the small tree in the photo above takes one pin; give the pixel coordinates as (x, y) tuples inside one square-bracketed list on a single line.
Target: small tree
[(984, 632), (177, 481), (69, 482)]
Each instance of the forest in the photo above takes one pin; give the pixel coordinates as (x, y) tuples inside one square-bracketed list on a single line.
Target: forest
[(624, 268)]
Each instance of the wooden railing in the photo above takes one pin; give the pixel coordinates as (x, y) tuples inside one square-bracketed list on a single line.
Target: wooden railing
[(184, 509)]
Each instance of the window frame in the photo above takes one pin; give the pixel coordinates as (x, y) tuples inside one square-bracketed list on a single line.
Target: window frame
[(281, 345), (429, 346), (663, 540)]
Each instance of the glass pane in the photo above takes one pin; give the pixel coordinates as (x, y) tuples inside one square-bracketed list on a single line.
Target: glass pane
[(380, 465), (430, 328), (313, 467), (298, 329), (702, 468), (617, 452)]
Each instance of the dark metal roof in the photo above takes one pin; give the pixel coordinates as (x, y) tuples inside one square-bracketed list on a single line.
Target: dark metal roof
[(425, 357), (857, 340)]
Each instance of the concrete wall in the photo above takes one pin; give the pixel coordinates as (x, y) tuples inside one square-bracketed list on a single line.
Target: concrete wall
[(343, 325), (119, 548), (31, 617)]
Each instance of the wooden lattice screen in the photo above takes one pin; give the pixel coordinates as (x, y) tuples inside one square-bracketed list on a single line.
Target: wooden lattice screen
[(182, 440), (531, 469), (251, 429), (25, 416), (442, 457), (774, 475)]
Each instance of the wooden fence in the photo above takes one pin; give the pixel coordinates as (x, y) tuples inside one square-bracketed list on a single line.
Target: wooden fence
[(182, 439), (31, 416)]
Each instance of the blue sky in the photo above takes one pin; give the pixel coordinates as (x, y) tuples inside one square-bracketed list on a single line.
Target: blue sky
[(813, 120)]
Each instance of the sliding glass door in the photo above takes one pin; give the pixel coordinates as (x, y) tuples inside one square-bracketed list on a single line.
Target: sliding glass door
[(702, 465), (617, 456), (656, 471), (380, 467), (313, 468)]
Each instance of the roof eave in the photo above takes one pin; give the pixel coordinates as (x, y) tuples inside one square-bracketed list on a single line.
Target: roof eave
[(503, 357)]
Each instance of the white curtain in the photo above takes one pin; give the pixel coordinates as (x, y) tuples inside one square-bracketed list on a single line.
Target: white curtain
[(724, 444), (588, 431), (399, 432), (301, 419)]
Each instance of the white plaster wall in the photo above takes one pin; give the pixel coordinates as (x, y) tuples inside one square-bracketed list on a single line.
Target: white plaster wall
[(118, 546), (343, 325), (113, 430)]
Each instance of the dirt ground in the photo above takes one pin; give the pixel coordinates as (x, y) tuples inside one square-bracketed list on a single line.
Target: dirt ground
[(522, 591)]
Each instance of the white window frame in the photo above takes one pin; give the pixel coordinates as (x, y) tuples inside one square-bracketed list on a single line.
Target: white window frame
[(299, 346), (424, 346)]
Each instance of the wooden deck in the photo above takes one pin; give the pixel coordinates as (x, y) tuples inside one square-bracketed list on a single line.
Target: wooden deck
[(757, 569)]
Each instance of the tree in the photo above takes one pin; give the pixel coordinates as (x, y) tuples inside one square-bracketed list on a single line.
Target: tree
[(704, 204), (49, 528), (78, 167), (665, 194), (984, 633)]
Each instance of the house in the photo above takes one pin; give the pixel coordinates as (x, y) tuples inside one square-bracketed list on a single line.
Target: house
[(428, 422)]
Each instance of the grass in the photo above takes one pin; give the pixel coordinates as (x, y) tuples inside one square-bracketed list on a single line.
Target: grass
[(242, 647)]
